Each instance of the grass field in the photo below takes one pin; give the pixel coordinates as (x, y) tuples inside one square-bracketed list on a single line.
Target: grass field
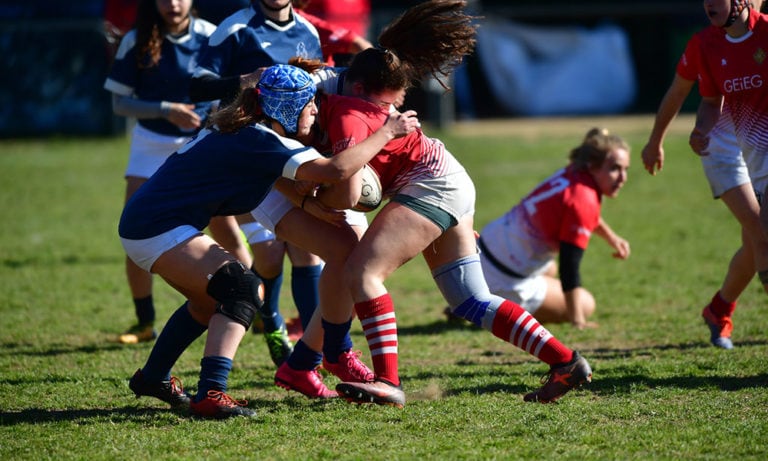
[(660, 391)]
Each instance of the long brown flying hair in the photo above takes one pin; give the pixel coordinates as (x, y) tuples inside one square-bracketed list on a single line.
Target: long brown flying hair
[(431, 38)]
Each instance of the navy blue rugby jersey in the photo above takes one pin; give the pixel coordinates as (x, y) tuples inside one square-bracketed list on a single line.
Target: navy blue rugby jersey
[(247, 40), (215, 174), (168, 81)]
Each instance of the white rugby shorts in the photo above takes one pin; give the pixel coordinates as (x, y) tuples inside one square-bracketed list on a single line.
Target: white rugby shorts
[(149, 150), (724, 167), (453, 193), (146, 251), (528, 292)]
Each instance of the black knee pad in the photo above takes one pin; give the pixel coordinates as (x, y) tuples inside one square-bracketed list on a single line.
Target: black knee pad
[(239, 292)]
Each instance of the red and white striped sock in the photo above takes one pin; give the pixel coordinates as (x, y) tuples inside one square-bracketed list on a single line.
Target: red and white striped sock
[(514, 324), (380, 327)]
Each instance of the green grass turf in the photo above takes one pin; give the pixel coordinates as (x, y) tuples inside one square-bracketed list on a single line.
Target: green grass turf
[(660, 391)]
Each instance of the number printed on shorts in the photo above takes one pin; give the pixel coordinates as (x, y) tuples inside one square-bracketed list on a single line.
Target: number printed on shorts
[(556, 185)]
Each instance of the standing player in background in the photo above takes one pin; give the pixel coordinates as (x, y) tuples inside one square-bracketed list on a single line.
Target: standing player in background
[(730, 56), (266, 32), (728, 179), (338, 45), (429, 212), (149, 80), (558, 217), (336, 42)]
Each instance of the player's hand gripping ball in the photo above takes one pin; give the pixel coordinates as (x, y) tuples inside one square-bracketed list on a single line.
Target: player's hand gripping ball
[(370, 196)]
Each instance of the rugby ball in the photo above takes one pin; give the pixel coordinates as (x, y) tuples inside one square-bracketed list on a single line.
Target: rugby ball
[(370, 194)]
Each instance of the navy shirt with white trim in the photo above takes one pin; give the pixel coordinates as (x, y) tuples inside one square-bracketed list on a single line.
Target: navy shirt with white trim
[(248, 40), (215, 174), (169, 80)]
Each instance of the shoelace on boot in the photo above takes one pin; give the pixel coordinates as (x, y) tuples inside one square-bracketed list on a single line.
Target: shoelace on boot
[(356, 367), (176, 386), (224, 398)]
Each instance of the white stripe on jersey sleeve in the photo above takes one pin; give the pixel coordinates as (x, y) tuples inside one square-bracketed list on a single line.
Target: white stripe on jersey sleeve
[(290, 168)]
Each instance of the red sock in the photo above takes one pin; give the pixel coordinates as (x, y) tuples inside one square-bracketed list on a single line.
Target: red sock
[(380, 327), (514, 324), (720, 307)]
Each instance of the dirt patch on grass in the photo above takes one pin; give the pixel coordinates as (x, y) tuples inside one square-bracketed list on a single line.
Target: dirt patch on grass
[(533, 128)]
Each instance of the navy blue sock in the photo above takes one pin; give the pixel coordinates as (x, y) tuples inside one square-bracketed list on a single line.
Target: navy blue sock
[(270, 311), (336, 339), (178, 333), (145, 310), (304, 358), (304, 282), (214, 372)]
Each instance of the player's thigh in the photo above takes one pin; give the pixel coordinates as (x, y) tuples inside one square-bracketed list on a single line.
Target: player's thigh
[(455, 243), (189, 265), (742, 202), (327, 241), (395, 236), (226, 231), (268, 257), (553, 307), (302, 258)]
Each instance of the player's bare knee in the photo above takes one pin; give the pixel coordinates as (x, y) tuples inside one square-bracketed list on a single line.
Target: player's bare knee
[(238, 291), (353, 277)]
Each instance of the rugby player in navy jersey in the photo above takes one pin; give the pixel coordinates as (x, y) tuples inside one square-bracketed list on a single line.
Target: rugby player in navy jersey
[(228, 169)]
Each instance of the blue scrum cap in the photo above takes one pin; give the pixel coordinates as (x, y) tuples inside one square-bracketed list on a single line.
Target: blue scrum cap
[(283, 92)]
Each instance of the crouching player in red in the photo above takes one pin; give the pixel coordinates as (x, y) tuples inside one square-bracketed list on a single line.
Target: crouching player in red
[(557, 219)]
